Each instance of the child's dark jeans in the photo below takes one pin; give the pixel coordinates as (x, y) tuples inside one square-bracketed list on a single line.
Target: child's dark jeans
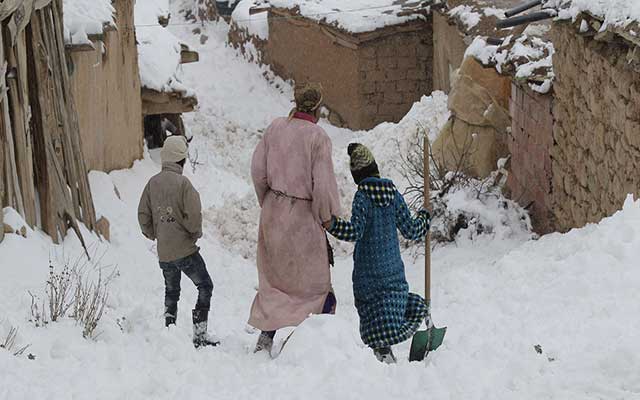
[(194, 267)]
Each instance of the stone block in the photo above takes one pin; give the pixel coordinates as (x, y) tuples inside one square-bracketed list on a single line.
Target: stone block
[(368, 65)]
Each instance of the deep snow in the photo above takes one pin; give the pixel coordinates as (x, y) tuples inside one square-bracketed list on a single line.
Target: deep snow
[(575, 295)]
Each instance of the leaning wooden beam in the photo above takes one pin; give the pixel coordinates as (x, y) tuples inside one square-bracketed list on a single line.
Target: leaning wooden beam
[(44, 126), (86, 199), (13, 183), (20, 121)]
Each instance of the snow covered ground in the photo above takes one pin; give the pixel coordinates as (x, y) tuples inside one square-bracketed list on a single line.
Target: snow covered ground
[(575, 295)]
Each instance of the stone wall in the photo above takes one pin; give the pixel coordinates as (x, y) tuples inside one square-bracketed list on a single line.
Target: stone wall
[(530, 145), (395, 72), (106, 87), (596, 157), (366, 81)]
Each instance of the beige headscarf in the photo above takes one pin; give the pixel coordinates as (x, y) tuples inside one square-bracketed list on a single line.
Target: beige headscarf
[(175, 149), (308, 98)]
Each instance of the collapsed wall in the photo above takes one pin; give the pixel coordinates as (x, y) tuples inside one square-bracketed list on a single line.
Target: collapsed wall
[(596, 156), (106, 86)]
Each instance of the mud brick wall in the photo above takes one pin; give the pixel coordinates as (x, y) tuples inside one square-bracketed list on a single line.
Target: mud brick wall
[(365, 81), (395, 72), (530, 145), (596, 156), (106, 89)]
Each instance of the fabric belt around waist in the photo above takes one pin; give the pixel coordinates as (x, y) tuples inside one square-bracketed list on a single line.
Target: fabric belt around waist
[(280, 193)]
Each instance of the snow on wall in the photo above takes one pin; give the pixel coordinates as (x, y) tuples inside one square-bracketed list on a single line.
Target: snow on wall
[(619, 13), (85, 17), (529, 58), (466, 15), (354, 16), (158, 49), (257, 24)]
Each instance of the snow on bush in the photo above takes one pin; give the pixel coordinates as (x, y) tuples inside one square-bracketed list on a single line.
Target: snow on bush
[(85, 17), (78, 289)]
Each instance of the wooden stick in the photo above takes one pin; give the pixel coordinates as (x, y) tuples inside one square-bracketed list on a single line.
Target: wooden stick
[(427, 204)]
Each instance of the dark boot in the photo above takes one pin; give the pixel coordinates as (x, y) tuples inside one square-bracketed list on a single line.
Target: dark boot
[(170, 315), (169, 319), (200, 336), (265, 341), (385, 355)]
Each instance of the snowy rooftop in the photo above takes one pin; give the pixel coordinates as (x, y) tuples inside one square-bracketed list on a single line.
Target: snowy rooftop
[(86, 17), (159, 50), (355, 16)]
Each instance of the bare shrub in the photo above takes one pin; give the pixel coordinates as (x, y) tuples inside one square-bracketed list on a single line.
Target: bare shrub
[(80, 290), (446, 180), (9, 343)]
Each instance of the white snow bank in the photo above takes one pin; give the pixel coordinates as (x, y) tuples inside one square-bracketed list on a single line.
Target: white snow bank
[(355, 16), (85, 17), (618, 13), (257, 24), (159, 50)]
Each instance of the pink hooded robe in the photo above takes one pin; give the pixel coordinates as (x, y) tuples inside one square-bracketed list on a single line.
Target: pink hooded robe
[(296, 186)]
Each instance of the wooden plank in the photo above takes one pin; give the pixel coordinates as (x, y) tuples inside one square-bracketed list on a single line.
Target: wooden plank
[(20, 120), (87, 210), (42, 132), (13, 183), (187, 55), (154, 103), (2, 147), (8, 7), (19, 20)]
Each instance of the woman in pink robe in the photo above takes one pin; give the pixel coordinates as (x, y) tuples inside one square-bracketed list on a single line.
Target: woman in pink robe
[(293, 175)]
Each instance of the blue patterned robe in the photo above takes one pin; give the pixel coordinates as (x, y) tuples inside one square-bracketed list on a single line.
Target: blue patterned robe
[(389, 314)]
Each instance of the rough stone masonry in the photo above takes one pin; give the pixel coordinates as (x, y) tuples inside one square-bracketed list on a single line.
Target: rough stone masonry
[(596, 151)]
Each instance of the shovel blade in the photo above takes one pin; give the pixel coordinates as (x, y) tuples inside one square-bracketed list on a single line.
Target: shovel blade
[(425, 341)]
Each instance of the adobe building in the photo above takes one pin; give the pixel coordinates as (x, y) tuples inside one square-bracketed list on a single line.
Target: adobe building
[(575, 143), (369, 76), (106, 87)]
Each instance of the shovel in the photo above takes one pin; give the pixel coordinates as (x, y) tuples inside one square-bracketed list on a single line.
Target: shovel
[(430, 339)]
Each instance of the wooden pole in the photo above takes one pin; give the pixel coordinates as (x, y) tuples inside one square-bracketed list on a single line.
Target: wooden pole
[(427, 205)]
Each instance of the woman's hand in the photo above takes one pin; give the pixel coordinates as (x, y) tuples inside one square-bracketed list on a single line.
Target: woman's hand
[(327, 224)]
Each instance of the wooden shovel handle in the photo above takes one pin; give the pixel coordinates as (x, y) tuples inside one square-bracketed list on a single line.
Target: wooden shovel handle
[(427, 203)]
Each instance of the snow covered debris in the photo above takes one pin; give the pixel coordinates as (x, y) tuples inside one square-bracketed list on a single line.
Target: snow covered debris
[(86, 17), (159, 50), (356, 16), (466, 15), (617, 13), (527, 58), (256, 25)]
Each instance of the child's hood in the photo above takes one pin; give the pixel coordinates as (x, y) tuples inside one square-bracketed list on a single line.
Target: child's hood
[(382, 192)]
